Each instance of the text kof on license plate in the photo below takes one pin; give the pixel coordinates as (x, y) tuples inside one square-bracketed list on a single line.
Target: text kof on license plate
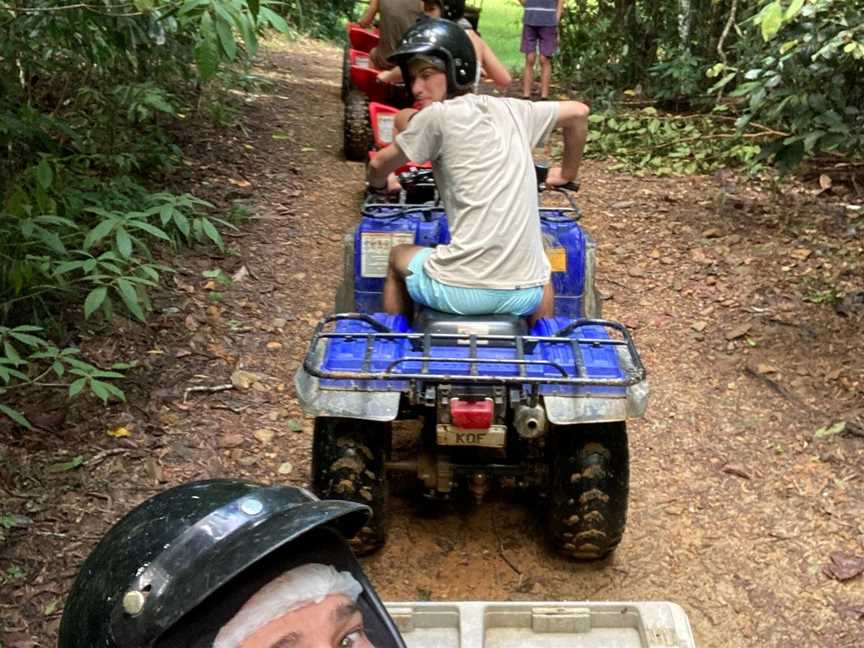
[(450, 435)]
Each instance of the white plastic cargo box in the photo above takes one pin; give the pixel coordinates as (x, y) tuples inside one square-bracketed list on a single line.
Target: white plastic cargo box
[(542, 625)]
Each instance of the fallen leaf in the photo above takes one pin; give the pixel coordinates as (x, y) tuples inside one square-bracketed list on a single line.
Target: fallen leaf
[(852, 611), (765, 369), (712, 232), (699, 326), (285, 468), (802, 254), (240, 183), (294, 425), (736, 470), (738, 331), (825, 182), (244, 379), (274, 345), (264, 435), (231, 440), (240, 275), (624, 204), (843, 565), (119, 432), (65, 466), (830, 430)]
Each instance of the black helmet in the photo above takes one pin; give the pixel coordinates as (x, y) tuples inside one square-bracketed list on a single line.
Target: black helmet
[(450, 9), (180, 565), (445, 40)]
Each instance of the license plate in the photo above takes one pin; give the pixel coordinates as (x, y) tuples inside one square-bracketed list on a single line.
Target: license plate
[(450, 435)]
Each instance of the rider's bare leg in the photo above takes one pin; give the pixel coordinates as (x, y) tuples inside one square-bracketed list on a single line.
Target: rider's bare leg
[(545, 76), (547, 305), (528, 75), (396, 299)]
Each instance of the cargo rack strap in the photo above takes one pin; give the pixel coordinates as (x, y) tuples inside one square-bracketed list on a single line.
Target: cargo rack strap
[(633, 374)]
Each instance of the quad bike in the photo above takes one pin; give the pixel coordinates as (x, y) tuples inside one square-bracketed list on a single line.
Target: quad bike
[(361, 90), (360, 43), (365, 92), (496, 403)]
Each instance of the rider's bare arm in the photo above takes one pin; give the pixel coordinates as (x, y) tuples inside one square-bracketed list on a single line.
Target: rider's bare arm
[(493, 68), (369, 16), (393, 75), (573, 121), (400, 122), (385, 162)]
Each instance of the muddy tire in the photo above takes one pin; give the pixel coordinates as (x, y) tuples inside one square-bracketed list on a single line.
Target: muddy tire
[(589, 484), (346, 73), (357, 129), (348, 458)]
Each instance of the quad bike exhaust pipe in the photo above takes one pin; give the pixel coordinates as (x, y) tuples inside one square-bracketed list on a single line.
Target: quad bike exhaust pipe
[(530, 421)]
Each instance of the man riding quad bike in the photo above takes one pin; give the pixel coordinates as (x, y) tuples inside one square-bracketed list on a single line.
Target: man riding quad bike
[(512, 383)]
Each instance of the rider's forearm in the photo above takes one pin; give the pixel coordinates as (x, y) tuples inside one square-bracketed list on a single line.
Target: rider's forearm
[(574, 123), (369, 16), (383, 164)]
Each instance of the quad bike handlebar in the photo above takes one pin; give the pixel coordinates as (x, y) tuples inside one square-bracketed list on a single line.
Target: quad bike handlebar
[(423, 178)]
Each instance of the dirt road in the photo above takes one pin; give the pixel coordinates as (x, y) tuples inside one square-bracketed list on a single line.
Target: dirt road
[(737, 504)]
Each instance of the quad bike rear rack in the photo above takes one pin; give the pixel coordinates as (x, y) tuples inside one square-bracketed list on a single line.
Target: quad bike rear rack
[(630, 364)]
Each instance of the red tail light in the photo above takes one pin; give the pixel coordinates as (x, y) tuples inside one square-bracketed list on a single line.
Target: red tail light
[(472, 415)]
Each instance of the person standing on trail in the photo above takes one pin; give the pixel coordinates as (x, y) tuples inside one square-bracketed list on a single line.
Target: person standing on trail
[(396, 16), (228, 564), (481, 152), (539, 31)]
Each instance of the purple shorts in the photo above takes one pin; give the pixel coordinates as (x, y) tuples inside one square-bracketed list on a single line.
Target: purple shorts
[(546, 36)]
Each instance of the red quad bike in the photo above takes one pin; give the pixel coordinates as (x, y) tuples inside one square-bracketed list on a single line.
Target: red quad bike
[(360, 43), (366, 91), (382, 119)]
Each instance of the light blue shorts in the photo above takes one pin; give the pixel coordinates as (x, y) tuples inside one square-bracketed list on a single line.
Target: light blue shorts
[(467, 301)]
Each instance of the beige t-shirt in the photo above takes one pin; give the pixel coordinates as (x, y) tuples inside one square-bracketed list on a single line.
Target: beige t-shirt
[(480, 148), (396, 16)]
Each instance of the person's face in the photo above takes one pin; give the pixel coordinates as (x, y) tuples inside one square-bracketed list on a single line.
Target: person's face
[(428, 84), (432, 10), (335, 622)]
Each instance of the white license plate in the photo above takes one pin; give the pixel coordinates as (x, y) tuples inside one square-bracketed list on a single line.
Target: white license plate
[(450, 435)]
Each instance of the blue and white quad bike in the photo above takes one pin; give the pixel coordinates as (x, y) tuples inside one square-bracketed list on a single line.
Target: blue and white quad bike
[(495, 404)]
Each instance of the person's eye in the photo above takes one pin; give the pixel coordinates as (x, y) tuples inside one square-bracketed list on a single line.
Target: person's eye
[(351, 638)]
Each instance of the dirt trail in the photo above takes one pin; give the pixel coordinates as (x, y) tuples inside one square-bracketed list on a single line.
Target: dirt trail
[(735, 506)]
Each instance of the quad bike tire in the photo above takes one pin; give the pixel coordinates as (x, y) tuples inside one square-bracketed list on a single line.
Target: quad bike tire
[(346, 73), (357, 129), (348, 458), (588, 490)]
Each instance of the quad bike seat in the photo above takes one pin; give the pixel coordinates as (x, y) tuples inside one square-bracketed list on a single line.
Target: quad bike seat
[(432, 321)]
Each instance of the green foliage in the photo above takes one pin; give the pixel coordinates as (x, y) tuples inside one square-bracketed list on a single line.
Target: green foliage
[(646, 142), (319, 18), (792, 65), (28, 359), (808, 78), (86, 93)]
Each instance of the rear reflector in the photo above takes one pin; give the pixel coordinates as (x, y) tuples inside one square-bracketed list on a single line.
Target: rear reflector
[(472, 415)]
